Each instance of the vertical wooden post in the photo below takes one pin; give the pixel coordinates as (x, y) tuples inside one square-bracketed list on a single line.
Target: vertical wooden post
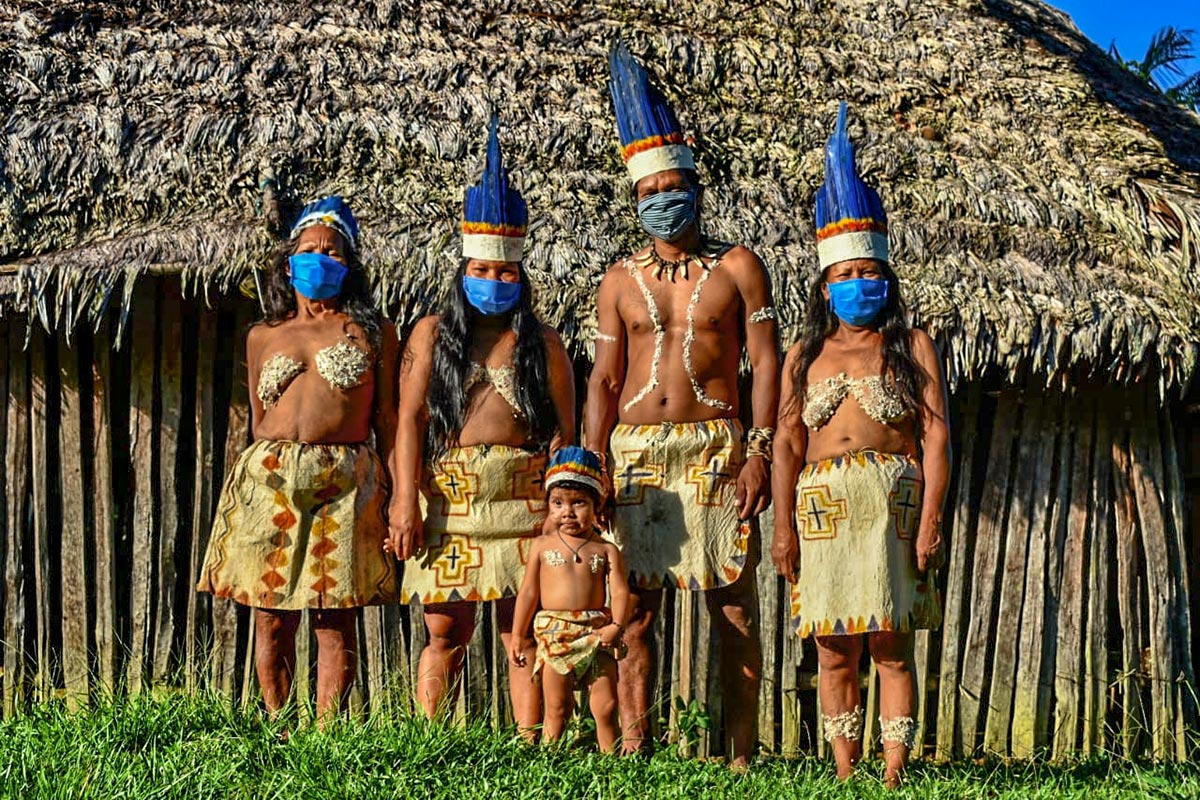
[(1095, 658), (72, 555), (199, 605), (1068, 670), (964, 522), (988, 540), (40, 371), (1176, 492), (142, 455), (475, 674), (1028, 729), (1148, 485), (789, 690), (771, 623), (170, 393), (224, 611), (104, 514), (16, 484), (1127, 589)]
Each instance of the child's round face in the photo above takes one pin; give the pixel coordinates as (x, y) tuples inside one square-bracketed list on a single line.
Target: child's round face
[(572, 511)]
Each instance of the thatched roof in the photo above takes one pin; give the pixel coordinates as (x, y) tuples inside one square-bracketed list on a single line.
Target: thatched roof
[(1044, 204)]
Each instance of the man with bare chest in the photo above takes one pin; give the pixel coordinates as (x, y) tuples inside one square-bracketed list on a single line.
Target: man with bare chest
[(663, 405)]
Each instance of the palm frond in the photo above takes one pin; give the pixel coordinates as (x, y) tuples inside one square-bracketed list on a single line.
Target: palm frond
[(1167, 49)]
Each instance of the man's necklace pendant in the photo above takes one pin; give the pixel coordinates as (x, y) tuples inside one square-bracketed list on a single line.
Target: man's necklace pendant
[(661, 265)]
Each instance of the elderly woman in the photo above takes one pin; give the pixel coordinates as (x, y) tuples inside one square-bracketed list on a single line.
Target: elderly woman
[(485, 388), (861, 467), (301, 518)]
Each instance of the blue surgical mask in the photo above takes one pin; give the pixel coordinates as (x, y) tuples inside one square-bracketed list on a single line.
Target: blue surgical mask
[(859, 300), (491, 297), (667, 215), (316, 275)]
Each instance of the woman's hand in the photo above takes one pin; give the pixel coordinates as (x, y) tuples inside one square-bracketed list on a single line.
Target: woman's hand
[(929, 552), (516, 653), (753, 487), (785, 552), (610, 635), (406, 531)]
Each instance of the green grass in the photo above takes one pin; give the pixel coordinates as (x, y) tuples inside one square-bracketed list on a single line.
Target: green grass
[(198, 748)]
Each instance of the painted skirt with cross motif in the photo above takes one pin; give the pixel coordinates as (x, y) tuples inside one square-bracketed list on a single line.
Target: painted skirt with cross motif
[(302, 526), (857, 517), (482, 506), (675, 487)]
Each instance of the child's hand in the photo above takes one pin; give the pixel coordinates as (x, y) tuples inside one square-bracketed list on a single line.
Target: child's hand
[(517, 656)]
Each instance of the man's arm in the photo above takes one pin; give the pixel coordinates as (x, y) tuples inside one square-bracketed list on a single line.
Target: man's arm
[(619, 596), (761, 334), (608, 373), (935, 452)]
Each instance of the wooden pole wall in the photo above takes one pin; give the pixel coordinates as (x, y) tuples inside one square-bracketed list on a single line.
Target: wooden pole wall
[(1067, 625)]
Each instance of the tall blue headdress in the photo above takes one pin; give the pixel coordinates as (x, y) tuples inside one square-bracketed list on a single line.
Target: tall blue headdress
[(851, 222), (651, 140), (332, 212), (494, 214)]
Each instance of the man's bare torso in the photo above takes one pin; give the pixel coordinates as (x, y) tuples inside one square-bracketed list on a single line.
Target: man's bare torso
[(691, 375)]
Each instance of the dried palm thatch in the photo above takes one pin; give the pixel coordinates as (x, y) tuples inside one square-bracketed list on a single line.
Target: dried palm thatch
[(1045, 204)]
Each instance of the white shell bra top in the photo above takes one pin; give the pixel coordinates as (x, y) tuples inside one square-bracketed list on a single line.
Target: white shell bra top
[(342, 365), (879, 399), (502, 379)]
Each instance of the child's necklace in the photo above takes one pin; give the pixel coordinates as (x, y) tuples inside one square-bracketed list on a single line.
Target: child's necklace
[(574, 551)]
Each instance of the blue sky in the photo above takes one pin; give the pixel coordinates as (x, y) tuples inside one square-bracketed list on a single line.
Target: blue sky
[(1133, 22)]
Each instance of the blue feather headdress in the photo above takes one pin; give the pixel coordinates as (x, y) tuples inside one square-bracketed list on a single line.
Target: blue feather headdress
[(494, 214), (576, 465), (851, 222), (651, 140), (332, 212)]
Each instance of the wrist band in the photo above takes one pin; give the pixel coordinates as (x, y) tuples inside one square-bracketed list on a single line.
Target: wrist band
[(759, 442)]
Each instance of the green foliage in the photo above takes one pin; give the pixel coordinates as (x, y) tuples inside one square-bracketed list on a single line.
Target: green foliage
[(191, 747), (690, 719), (1161, 65)]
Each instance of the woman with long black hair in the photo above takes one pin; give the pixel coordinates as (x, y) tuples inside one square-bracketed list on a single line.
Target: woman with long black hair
[(861, 463), (301, 518), (486, 390)]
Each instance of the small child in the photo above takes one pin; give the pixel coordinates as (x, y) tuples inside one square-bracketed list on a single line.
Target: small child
[(568, 569)]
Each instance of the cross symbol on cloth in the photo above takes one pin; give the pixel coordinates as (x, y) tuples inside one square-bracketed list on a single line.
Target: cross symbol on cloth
[(714, 473), (453, 484), (453, 556), (816, 513), (630, 474), (907, 505)]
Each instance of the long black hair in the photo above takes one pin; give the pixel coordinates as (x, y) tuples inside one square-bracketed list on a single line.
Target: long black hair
[(354, 299), (820, 323), (447, 400)]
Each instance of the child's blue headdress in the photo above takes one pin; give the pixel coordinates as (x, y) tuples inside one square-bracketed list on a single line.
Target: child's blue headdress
[(332, 212), (576, 465), (651, 140), (494, 214), (850, 218)]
